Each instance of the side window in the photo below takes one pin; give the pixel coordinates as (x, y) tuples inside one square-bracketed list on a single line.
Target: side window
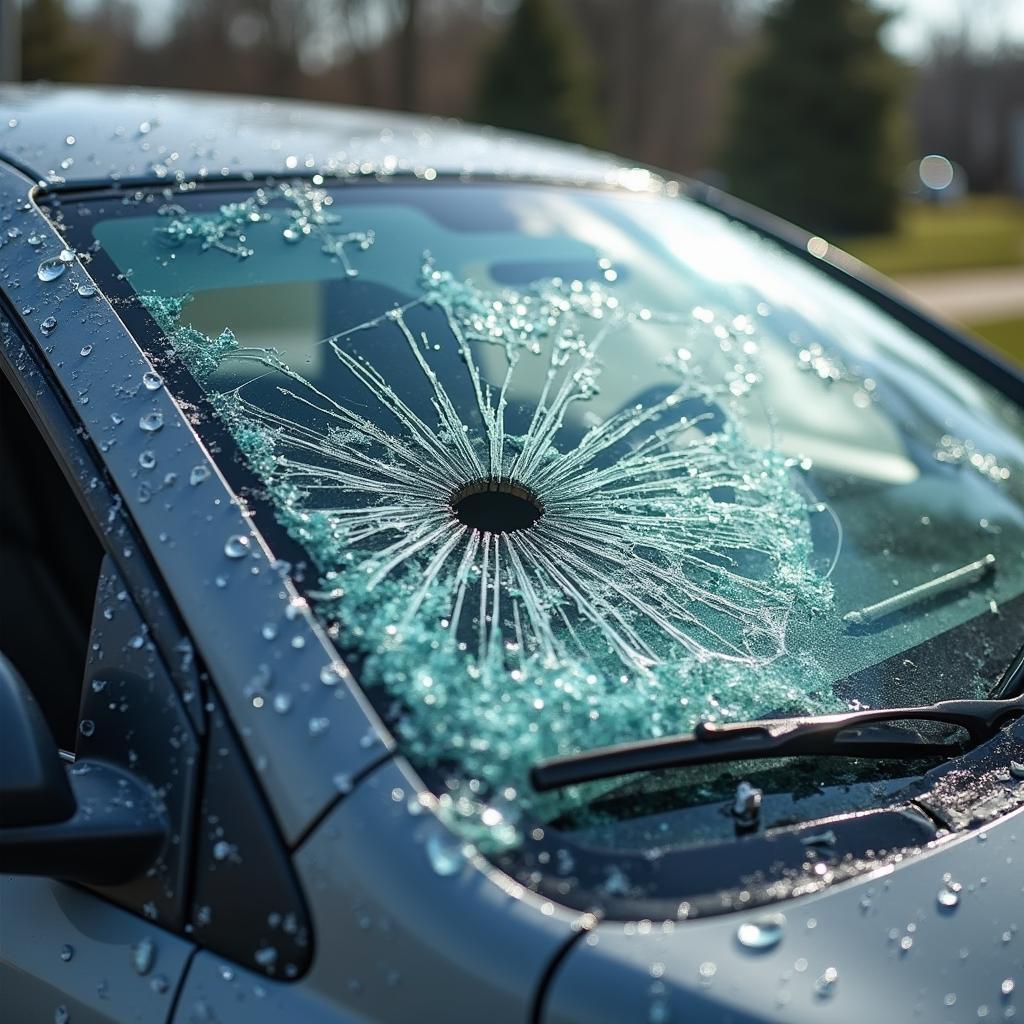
[(49, 566)]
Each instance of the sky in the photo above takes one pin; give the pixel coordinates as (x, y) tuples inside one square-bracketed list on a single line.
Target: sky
[(991, 22)]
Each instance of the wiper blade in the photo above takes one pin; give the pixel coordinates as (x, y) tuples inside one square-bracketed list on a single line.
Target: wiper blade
[(843, 735)]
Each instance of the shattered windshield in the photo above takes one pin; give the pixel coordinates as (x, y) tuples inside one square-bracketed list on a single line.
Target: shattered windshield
[(577, 467)]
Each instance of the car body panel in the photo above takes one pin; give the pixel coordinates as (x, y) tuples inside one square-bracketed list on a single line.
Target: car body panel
[(408, 928), (425, 932), (219, 991), (64, 947), (195, 136), (859, 928)]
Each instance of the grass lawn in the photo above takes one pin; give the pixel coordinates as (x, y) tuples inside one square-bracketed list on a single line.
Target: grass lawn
[(980, 231), (1005, 335)]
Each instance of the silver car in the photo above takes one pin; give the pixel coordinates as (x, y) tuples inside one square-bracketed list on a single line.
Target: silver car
[(450, 576)]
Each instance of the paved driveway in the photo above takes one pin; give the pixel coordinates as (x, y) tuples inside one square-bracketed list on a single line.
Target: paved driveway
[(970, 296)]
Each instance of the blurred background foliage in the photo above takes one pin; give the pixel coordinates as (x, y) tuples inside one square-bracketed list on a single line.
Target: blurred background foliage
[(803, 107), (819, 62), (540, 78)]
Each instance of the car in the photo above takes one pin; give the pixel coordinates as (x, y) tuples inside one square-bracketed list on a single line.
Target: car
[(455, 575)]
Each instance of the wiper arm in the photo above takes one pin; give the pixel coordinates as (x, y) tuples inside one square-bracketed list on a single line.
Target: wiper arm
[(842, 735), (965, 576)]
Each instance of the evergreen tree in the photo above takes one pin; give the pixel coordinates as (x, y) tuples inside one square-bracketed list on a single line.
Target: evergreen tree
[(53, 46), (813, 136), (539, 78)]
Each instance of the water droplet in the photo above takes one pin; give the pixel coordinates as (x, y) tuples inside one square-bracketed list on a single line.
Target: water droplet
[(342, 782), (49, 325), (151, 421), (87, 291), (143, 956), (763, 932), (330, 675), (318, 726), (198, 475), (159, 984), (86, 726), (85, 350), (1017, 769), (152, 380), (707, 971), (67, 952), (147, 460), (1007, 987), (61, 1015), (282, 703), (444, 853), (825, 985), (237, 546), (50, 269), (266, 956), (222, 850), (949, 894)]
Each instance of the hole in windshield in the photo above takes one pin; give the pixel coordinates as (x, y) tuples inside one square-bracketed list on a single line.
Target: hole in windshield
[(496, 506)]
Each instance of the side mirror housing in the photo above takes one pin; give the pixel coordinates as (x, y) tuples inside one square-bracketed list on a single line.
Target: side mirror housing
[(35, 789), (87, 822)]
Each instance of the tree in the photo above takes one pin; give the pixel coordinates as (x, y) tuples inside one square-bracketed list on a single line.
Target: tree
[(53, 46), (408, 59), (539, 78), (814, 131)]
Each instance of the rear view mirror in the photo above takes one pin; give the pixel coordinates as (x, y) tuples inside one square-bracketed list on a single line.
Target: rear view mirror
[(86, 822)]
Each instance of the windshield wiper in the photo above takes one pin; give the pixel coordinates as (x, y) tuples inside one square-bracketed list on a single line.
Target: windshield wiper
[(842, 735)]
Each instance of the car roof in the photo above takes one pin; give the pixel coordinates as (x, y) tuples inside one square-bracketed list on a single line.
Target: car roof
[(68, 136)]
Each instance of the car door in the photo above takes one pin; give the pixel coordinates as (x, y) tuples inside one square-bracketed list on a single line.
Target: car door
[(93, 630), (88, 628)]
